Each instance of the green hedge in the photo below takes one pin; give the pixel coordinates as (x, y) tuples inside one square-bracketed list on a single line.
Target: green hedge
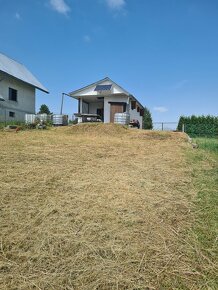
[(199, 125)]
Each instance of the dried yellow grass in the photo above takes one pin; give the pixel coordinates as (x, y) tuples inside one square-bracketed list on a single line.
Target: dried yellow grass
[(95, 207)]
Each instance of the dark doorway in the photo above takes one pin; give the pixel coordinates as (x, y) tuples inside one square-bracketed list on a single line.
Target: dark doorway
[(100, 112)]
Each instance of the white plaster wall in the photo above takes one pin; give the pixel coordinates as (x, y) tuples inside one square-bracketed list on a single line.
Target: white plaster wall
[(85, 107), (134, 115), (25, 98), (94, 106), (107, 106)]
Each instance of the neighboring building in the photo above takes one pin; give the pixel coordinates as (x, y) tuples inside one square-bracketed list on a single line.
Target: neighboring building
[(105, 98), (17, 89)]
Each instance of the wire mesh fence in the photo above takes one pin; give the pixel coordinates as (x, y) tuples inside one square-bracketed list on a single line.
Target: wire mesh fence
[(190, 129), (165, 126)]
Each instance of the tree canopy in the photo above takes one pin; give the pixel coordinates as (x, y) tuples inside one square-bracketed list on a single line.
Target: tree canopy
[(147, 119), (44, 109), (199, 125)]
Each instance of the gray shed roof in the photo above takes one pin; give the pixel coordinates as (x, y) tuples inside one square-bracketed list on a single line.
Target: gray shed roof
[(19, 71)]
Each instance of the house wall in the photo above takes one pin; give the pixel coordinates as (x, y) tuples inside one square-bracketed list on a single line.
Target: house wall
[(85, 107), (94, 106), (107, 105), (134, 115), (25, 99)]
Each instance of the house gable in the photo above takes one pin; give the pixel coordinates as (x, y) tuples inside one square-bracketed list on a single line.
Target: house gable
[(91, 90)]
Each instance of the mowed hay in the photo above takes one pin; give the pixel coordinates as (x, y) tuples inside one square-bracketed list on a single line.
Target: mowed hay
[(99, 129), (95, 210)]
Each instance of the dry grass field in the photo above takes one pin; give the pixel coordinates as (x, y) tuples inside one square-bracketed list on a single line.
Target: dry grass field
[(96, 207)]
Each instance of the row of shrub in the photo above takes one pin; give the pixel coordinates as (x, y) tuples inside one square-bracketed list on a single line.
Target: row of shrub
[(199, 125)]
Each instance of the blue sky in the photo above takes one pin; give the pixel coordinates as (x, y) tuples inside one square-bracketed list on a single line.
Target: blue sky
[(164, 52)]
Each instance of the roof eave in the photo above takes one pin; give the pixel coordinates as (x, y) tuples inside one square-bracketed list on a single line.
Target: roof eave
[(131, 96), (86, 87), (36, 87), (43, 90)]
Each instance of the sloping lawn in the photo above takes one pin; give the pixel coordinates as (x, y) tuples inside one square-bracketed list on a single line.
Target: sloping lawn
[(104, 207)]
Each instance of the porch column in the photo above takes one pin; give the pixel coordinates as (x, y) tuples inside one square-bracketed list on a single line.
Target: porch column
[(81, 105)]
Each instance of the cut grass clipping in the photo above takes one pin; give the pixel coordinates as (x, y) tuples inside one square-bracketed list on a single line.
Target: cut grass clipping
[(99, 207)]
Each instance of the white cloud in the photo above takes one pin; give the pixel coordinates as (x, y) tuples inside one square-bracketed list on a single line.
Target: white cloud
[(116, 4), (17, 16), (86, 38), (160, 109), (60, 6)]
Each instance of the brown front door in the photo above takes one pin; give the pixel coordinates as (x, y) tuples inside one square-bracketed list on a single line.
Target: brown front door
[(115, 108)]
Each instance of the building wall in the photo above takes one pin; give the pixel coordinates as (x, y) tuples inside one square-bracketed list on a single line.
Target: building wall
[(107, 105), (25, 99), (94, 106), (134, 115), (85, 107)]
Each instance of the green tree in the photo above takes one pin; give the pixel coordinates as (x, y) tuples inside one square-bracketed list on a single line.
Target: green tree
[(199, 125), (44, 109), (147, 119)]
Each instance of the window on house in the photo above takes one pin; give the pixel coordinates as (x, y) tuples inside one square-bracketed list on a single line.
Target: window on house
[(12, 114), (133, 105), (12, 95)]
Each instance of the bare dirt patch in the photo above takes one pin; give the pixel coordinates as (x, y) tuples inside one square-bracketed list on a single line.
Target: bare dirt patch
[(95, 207)]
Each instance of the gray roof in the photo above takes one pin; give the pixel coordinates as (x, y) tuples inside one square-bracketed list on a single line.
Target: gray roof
[(19, 71)]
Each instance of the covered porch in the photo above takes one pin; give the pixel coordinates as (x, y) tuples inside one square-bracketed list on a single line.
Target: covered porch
[(101, 108), (90, 107)]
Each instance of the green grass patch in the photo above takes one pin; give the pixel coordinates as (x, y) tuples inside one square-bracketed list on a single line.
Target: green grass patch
[(22, 125), (204, 233), (17, 123), (208, 144)]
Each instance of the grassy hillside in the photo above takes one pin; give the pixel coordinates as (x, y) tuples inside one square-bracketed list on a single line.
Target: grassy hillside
[(208, 144), (100, 207), (204, 232)]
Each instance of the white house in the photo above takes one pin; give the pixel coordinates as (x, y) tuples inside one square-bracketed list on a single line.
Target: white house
[(105, 98), (17, 90)]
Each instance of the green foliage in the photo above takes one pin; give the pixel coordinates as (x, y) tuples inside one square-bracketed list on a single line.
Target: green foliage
[(23, 125), (199, 125), (73, 122), (147, 119), (44, 110), (17, 123), (208, 144), (205, 172)]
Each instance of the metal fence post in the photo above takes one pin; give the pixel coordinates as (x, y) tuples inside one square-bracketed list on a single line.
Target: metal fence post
[(183, 128)]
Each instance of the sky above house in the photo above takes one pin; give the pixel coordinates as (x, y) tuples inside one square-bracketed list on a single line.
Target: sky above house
[(164, 52)]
